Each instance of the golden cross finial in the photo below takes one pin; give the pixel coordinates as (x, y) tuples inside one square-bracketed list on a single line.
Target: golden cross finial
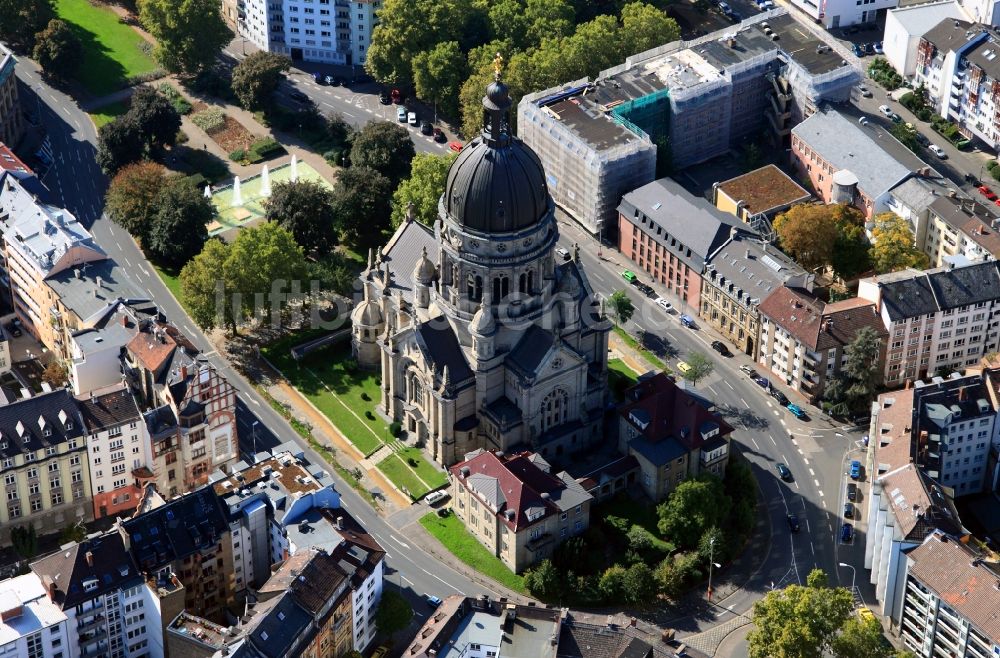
[(498, 66)]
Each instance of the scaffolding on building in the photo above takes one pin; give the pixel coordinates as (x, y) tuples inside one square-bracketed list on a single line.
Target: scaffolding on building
[(647, 115)]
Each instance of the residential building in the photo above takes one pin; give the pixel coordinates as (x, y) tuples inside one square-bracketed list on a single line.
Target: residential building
[(11, 164), (110, 608), (758, 195), (672, 434), (912, 200), (904, 27), (30, 624), (11, 123), (950, 599), (957, 64), (118, 449), (186, 543), (847, 162), (43, 459), (938, 320), (670, 234), (94, 352), (737, 276), (833, 14), (981, 11), (597, 139), (479, 627), (516, 507), (192, 422), (962, 227), (804, 340), (458, 371), (326, 32)]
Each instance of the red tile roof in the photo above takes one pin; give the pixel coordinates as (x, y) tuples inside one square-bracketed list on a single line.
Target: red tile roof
[(672, 411), (816, 325), (10, 162)]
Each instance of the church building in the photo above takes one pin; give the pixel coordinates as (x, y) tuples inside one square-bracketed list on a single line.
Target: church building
[(484, 336)]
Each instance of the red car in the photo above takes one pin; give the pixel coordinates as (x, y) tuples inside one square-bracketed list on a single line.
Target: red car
[(457, 148), (987, 192), (397, 96)]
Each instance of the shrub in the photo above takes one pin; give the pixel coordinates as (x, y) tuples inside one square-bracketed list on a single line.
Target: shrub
[(181, 138), (239, 155), (211, 120), (995, 173), (213, 83), (197, 180), (366, 397), (411, 461), (180, 103), (395, 429), (155, 74), (369, 415), (267, 147)]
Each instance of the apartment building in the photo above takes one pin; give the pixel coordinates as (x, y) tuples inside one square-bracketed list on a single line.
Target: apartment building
[(11, 123), (118, 449), (904, 27), (759, 194), (957, 64), (192, 422), (516, 507), (673, 435), (847, 162), (912, 200), (804, 340), (950, 600), (324, 31), (986, 12), (833, 14), (597, 139), (938, 320), (959, 227), (30, 624), (44, 464), (110, 609), (186, 540), (737, 276), (669, 234)]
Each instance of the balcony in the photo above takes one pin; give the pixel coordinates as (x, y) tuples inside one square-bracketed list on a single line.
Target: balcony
[(94, 652), (86, 625), (95, 636)]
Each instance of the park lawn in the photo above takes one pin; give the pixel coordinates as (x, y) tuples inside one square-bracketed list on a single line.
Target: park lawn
[(400, 474), (111, 50), (629, 340), (453, 535), (644, 516), (108, 113), (426, 471)]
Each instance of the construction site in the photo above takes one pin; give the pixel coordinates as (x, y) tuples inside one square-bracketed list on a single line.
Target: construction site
[(678, 105)]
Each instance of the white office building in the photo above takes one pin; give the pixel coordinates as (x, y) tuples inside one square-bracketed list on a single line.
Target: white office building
[(832, 14), (904, 27), (31, 626)]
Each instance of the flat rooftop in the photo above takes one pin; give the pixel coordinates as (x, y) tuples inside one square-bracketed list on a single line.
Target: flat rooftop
[(764, 189)]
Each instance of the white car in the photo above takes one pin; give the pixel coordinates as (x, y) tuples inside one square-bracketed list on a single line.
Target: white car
[(435, 497), (664, 304), (411, 118), (938, 151), (885, 110)]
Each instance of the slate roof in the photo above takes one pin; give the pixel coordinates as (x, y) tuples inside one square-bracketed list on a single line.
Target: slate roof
[(109, 410), (918, 192), (111, 568), (960, 578), (660, 452), (753, 267), (92, 302), (278, 632), (817, 325), (21, 429), (984, 54), (182, 527), (906, 294), (527, 355), (437, 340), (949, 34), (403, 252), (691, 228), (962, 286)]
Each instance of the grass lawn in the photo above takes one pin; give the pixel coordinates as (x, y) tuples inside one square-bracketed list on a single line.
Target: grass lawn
[(620, 377), (172, 280), (400, 474), (108, 113), (634, 344), (450, 532), (111, 50), (425, 470), (643, 516)]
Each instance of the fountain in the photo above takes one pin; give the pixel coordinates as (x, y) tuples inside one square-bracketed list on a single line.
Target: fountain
[(265, 182), (295, 168), (208, 191), (237, 195)]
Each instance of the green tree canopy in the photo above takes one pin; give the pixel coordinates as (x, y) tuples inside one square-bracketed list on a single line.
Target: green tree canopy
[(861, 638), (204, 287), (424, 187), (22, 20), (306, 209), (798, 621), (850, 251), (394, 613), (621, 307), (180, 225), (638, 584), (190, 34), (131, 198), (544, 581), (154, 117), (862, 366), (808, 233), (906, 135), (118, 143), (893, 245), (385, 147), (438, 74), (257, 76), (58, 50), (693, 507), (525, 25), (699, 367)]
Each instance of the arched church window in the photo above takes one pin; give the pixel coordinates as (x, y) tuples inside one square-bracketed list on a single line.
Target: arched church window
[(554, 408), (474, 284), (501, 286)]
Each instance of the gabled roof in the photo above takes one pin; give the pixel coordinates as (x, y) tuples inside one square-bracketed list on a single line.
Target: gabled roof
[(949, 34), (402, 253), (44, 420), (83, 571), (529, 352), (817, 325), (109, 410), (962, 286)]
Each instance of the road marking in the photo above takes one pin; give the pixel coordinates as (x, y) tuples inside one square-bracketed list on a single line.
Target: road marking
[(805, 461), (399, 541), (812, 473), (783, 422), (730, 385), (797, 484), (402, 577), (816, 481), (119, 245), (755, 444), (745, 402), (772, 439), (254, 401), (769, 403), (821, 494), (812, 548), (127, 262)]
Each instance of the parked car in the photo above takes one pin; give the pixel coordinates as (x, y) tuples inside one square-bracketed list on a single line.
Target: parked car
[(319, 78), (857, 50), (384, 98), (687, 321), (724, 8), (401, 114), (435, 497), (333, 81), (664, 304), (439, 136), (848, 510), (852, 491), (796, 410), (411, 118), (846, 533), (433, 601), (922, 140), (747, 370), (297, 95), (783, 472), (426, 128), (793, 522), (864, 91), (885, 110), (646, 290), (972, 180), (629, 276), (721, 348), (877, 47), (562, 253), (780, 397), (456, 146), (938, 151), (735, 16), (762, 381), (895, 118), (987, 192), (684, 367), (855, 470)]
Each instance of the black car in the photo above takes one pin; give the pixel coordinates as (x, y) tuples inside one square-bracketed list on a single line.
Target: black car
[(384, 98), (297, 95), (972, 180), (426, 128), (852, 492), (779, 396), (793, 522), (439, 136), (848, 510), (721, 348)]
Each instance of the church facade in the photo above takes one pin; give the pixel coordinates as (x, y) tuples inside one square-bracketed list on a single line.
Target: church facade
[(484, 338)]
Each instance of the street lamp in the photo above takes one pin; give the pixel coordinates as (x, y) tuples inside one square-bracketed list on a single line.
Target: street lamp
[(253, 428), (711, 563), (853, 573)]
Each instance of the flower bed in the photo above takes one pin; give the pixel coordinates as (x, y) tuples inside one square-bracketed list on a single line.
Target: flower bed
[(225, 131)]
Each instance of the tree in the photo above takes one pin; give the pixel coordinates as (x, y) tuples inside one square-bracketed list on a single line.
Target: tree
[(438, 74), (55, 374), (544, 581), (180, 225), (75, 532), (154, 117), (394, 613), (190, 34), (58, 50), (638, 584), (798, 621), (261, 263), (24, 540), (835, 395), (699, 367), (906, 135), (130, 200), (861, 638), (808, 232), (612, 583), (692, 508), (362, 206), (118, 143), (257, 76), (712, 545), (862, 366), (893, 246), (850, 251), (386, 148), (525, 25), (424, 187), (22, 20), (645, 26), (203, 285), (306, 208), (621, 307)]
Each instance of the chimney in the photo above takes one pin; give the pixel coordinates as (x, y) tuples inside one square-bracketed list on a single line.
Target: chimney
[(76, 272), (748, 254), (184, 372), (125, 321), (90, 559), (97, 280), (961, 394), (340, 523)]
